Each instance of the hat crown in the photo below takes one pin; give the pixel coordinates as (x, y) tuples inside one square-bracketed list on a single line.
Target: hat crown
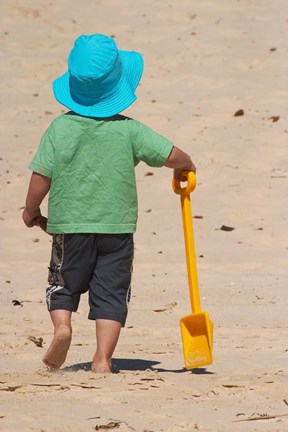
[(95, 68), (92, 55)]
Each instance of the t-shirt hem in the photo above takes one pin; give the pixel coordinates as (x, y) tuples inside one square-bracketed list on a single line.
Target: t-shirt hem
[(165, 153), (97, 229), (163, 156), (34, 166)]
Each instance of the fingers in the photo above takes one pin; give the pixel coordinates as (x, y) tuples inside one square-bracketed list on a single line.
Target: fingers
[(178, 174), (193, 167), (42, 223)]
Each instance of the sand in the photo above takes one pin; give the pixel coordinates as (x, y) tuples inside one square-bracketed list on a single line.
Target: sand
[(204, 61)]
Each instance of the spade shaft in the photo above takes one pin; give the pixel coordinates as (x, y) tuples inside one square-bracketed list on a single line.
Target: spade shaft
[(184, 193)]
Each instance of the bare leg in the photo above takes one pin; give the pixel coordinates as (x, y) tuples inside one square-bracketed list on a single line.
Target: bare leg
[(57, 351), (107, 335)]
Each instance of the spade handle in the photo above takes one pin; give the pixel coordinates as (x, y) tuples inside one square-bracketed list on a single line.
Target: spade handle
[(184, 193)]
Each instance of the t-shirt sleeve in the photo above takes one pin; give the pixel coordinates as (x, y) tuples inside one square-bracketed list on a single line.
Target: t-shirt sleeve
[(150, 147), (43, 160)]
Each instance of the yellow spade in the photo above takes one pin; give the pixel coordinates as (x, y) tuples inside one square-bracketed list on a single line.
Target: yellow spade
[(196, 328)]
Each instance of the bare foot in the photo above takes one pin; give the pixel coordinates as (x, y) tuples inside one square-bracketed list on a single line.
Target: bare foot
[(101, 367), (101, 364), (57, 351)]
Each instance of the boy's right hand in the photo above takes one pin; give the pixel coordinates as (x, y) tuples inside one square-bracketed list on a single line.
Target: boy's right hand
[(180, 161)]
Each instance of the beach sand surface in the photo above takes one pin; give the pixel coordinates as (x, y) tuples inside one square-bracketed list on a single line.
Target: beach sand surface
[(204, 61)]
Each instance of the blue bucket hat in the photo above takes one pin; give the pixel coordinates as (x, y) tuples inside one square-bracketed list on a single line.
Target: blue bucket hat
[(101, 79)]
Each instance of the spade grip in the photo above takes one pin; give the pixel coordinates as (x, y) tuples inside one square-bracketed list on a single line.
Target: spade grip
[(191, 183)]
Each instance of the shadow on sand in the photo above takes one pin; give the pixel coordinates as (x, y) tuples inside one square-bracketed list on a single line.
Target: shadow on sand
[(134, 365)]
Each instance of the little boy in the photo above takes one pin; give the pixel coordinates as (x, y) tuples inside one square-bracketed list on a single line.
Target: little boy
[(86, 161)]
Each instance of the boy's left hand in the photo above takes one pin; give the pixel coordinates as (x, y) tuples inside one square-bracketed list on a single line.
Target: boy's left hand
[(31, 219)]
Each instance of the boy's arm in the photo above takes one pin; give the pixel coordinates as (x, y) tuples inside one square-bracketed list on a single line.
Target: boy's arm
[(38, 188), (180, 161)]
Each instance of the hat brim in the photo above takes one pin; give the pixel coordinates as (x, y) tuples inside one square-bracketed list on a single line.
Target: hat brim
[(122, 97)]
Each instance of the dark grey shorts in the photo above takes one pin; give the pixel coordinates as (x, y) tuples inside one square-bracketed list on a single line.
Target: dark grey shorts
[(98, 263)]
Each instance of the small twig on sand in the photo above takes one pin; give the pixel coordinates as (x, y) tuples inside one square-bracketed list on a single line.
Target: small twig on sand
[(262, 417), (111, 425)]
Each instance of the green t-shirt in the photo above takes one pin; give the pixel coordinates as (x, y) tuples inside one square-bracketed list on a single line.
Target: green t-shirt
[(91, 164)]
